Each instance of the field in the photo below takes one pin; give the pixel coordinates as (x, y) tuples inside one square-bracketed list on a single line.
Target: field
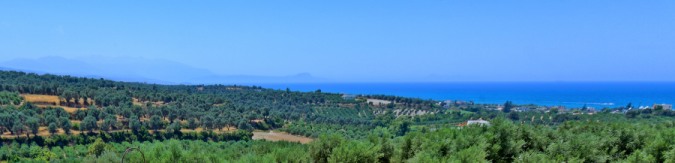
[(67, 109), (280, 136), (42, 99), (45, 101)]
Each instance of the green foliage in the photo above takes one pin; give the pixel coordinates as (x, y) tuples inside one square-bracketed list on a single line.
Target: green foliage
[(156, 122), (669, 156), (53, 128), (508, 105), (98, 147), (532, 157), (33, 124), (503, 141), (89, 124), (10, 98), (174, 128), (192, 123), (353, 130), (640, 156), (66, 125), (355, 152), (322, 149), (134, 124), (402, 128)]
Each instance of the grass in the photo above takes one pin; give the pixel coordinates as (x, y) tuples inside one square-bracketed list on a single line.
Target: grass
[(67, 109), (42, 99)]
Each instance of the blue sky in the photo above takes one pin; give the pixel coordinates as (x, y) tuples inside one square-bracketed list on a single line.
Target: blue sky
[(440, 40)]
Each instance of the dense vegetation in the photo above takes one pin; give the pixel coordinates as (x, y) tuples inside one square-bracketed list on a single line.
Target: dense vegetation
[(209, 107), (10, 98), (213, 123), (503, 141)]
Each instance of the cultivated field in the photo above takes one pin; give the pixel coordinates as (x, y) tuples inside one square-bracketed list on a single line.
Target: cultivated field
[(45, 101), (42, 99), (280, 136)]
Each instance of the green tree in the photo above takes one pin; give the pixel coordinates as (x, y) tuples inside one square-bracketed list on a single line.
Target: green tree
[(669, 156), (243, 125), (474, 153), (640, 156), (403, 128), (207, 122), (515, 116), (155, 122), (108, 123), (174, 128), (505, 141), (508, 105), (98, 147), (134, 124), (172, 116), (532, 157), (192, 123), (66, 125), (355, 152), (175, 150), (321, 149), (18, 128), (34, 125), (386, 149), (89, 124), (49, 118), (53, 128), (408, 149), (584, 108)]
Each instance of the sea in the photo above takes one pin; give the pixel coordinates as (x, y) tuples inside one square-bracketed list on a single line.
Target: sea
[(568, 94)]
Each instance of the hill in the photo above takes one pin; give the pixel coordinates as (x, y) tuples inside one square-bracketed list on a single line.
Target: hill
[(202, 123), (211, 106)]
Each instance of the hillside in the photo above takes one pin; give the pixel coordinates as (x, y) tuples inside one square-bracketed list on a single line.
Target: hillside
[(116, 105), (74, 119)]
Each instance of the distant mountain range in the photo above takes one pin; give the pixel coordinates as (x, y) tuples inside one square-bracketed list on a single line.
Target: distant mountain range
[(142, 70)]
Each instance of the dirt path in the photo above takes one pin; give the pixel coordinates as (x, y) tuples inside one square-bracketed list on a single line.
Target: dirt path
[(280, 136)]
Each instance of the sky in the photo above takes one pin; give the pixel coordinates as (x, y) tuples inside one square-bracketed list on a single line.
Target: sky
[(394, 41)]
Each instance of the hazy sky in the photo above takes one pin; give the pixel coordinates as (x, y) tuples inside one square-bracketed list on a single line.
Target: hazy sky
[(439, 40)]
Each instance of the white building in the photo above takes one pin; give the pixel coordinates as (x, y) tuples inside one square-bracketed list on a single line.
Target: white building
[(480, 122), (665, 106)]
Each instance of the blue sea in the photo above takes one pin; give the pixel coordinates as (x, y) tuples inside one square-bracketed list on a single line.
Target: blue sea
[(568, 94)]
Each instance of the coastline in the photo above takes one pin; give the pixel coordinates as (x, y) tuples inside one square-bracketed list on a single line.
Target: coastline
[(569, 94)]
